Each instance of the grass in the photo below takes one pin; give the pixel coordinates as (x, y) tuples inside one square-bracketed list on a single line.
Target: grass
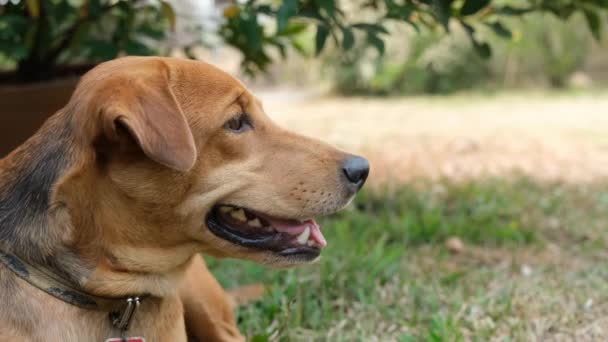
[(531, 268)]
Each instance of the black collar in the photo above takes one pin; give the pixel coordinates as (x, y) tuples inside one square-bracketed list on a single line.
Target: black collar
[(121, 310)]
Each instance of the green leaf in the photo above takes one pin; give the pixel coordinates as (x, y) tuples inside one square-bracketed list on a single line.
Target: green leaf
[(442, 11), (288, 8), (266, 9), (320, 38), (376, 42), (348, 39), (512, 11), (399, 12), (500, 30), (310, 12), (301, 49), (470, 30), (280, 46), (562, 10), (168, 13), (282, 50), (328, 5), (483, 49), (253, 32), (594, 23), (471, 7), (370, 28), (293, 29)]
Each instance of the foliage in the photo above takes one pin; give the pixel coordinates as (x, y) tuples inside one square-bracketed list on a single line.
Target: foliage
[(431, 62), (540, 52), (331, 22), (39, 35), (385, 273)]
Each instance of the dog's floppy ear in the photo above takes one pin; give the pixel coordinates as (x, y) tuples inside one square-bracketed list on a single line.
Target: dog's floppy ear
[(146, 107)]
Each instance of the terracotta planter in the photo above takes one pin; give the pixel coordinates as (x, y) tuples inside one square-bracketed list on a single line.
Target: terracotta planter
[(24, 107)]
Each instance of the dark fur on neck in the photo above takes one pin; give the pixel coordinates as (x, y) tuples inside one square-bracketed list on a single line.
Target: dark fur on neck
[(27, 178)]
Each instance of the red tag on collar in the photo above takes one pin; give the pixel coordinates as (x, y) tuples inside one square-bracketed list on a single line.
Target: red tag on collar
[(126, 339)]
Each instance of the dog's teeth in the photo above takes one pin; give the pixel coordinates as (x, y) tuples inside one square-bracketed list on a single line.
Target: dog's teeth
[(303, 237), (239, 214), (255, 223), (225, 210), (311, 243)]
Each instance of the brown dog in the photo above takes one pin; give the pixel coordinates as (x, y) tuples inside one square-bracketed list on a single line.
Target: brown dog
[(153, 161)]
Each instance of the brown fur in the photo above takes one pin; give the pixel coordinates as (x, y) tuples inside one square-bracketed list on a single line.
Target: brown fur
[(113, 190)]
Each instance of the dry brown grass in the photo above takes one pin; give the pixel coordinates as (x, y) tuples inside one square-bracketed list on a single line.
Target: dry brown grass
[(555, 137)]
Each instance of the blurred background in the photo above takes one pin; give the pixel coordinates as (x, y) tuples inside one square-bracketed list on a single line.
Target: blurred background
[(485, 121)]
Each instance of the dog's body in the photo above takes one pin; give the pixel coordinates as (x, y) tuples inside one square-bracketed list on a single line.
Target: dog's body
[(152, 162)]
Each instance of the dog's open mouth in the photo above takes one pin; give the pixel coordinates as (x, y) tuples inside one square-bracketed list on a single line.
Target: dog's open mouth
[(248, 228)]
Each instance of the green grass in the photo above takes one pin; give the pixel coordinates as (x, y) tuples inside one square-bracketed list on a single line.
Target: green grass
[(386, 275)]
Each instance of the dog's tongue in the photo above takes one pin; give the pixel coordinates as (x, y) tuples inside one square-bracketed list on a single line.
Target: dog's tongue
[(295, 228)]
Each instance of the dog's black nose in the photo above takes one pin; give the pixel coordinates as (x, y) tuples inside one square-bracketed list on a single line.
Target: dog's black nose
[(356, 170)]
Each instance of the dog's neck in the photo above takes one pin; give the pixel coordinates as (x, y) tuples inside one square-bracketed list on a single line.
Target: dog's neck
[(28, 227)]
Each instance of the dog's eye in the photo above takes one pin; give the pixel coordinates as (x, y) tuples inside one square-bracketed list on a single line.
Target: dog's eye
[(238, 124)]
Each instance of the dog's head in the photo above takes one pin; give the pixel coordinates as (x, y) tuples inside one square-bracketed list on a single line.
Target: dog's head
[(184, 159)]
